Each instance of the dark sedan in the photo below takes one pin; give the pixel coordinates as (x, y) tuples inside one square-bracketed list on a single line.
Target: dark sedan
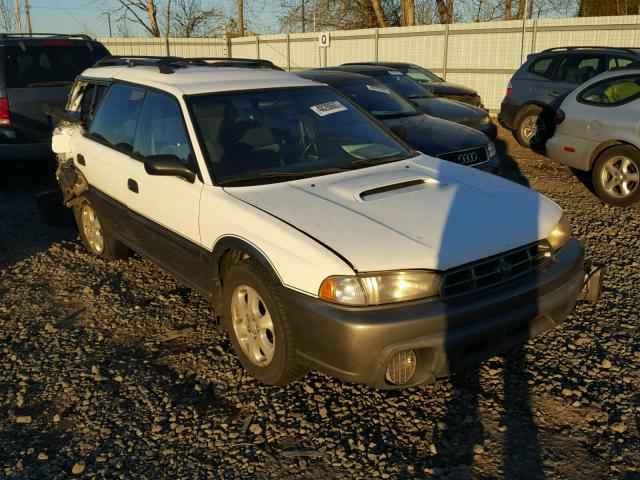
[(432, 136), (433, 83), (426, 101)]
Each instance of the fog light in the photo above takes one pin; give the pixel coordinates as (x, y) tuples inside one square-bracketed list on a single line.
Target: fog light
[(401, 367)]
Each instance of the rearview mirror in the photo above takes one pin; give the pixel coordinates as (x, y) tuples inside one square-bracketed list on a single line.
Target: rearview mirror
[(400, 131), (169, 166)]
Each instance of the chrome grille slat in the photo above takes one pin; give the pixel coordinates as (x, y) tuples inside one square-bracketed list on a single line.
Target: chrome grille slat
[(494, 271)]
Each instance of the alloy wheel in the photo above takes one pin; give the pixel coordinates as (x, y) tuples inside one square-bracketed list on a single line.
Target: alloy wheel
[(620, 176), (92, 229), (252, 325)]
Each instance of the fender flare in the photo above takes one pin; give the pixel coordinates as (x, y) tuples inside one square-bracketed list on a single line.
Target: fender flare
[(229, 242)]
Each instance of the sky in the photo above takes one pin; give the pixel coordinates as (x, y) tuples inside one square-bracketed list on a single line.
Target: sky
[(87, 16)]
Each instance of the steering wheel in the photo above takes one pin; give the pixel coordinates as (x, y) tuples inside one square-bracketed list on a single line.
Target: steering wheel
[(315, 141)]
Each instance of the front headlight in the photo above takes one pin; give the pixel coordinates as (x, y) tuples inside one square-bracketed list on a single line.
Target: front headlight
[(560, 234), (380, 287), (491, 148)]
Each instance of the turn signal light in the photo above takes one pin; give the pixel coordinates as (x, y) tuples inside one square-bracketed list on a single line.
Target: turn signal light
[(5, 120)]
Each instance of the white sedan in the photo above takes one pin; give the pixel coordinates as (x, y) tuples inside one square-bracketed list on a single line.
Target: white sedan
[(598, 131)]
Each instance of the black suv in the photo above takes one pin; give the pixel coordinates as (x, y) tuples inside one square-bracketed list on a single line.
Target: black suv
[(34, 71), (537, 89)]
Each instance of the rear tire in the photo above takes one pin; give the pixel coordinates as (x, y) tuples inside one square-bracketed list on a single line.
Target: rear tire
[(616, 176), (98, 241), (258, 326), (534, 127)]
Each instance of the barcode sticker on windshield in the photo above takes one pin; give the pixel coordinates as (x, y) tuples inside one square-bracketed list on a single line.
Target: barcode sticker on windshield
[(375, 88), (394, 72), (328, 108)]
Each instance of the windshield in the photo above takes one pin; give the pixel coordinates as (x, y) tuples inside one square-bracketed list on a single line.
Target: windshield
[(277, 135), (402, 84), (422, 75), (376, 98)]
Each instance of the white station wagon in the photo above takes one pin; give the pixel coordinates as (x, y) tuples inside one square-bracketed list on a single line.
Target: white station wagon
[(322, 240)]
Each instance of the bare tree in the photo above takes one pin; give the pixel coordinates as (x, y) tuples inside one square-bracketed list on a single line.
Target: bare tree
[(507, 9), (191, 19), (241, 17), (380, 15), (445, 10), (141, 12), (7, 16), (408, 12)]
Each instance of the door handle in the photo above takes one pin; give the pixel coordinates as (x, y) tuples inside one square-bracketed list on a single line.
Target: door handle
[(81, 160), (132, 185)]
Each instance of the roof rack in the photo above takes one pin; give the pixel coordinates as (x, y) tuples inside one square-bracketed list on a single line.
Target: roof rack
[(80, 36), (221, 61), (164, 64), (558, 49)]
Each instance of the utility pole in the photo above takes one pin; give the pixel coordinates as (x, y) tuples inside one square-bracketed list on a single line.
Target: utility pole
[(28, 13), (524, 28), (302, 14), (18, 16), (109, 20)]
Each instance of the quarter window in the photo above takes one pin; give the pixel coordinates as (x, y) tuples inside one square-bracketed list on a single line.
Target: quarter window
[(619, 62), (613, 92), (543, 67), (161, 129), (578, 69), (116, 119)]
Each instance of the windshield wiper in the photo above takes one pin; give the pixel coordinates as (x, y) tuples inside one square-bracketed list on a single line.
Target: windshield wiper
[(285, 175), (423, 95), (388, 116), (58, 83)]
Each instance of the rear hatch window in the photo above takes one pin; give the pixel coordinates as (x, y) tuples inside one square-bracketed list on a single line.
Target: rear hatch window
[(49, 64)]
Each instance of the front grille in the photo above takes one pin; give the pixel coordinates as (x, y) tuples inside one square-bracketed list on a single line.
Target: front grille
[(473, 156), (495, 270)]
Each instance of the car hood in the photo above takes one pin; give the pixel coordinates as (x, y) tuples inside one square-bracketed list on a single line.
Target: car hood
[(453, 216), (450, 109), (434, 136), (446, 88)]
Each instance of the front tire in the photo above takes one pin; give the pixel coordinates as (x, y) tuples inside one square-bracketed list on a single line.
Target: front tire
[(258, 326), (98, 241), (616, 176), (533, 127)]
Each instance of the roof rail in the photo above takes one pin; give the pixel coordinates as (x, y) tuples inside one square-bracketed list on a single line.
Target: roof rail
[(164, 64), (221, 61), (558, 49), (80, 36)]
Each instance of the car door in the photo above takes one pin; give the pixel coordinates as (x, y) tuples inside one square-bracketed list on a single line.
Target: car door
[(573, 70), (164, 210), (104, 155)]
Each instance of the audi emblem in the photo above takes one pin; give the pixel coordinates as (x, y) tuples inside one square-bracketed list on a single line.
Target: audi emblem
[(467, 158)]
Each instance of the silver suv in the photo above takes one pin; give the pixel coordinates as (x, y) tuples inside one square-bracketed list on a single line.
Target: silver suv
[(537, 89), (598, 131)]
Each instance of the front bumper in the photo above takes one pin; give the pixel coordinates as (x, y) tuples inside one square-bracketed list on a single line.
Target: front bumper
[(356, 344), (493, 165)]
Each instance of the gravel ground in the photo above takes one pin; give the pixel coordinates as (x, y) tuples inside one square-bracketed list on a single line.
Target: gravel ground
[(115, 370)]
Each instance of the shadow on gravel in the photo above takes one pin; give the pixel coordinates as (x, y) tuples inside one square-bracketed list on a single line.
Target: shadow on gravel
[(463, 435), (32, 216)]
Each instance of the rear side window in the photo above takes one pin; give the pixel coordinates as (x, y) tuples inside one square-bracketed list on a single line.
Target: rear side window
[(619, 62), (44, 66), (613, 92), (543, 67), (116, 119), (578, 69), (161, 129)]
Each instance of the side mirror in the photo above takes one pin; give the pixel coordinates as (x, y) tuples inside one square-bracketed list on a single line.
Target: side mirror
[(400, 131), (169, 166)]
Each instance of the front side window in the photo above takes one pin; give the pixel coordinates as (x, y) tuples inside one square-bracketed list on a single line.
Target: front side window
[(377, 98), (278, 135), (613, 92), (422, 75), (161, 129), (402, 84), (91, 97), (116, 119)]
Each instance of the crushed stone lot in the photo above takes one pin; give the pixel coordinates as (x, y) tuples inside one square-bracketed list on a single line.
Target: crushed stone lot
[(117, 370)]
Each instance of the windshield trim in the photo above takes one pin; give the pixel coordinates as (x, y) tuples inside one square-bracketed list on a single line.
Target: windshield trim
[(199, 138)]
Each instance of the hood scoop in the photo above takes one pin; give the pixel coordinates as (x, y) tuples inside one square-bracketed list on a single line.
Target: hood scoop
[(390, 190)]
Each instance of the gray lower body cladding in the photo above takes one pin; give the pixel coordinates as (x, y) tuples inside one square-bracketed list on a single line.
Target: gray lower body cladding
[(356, 344)]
